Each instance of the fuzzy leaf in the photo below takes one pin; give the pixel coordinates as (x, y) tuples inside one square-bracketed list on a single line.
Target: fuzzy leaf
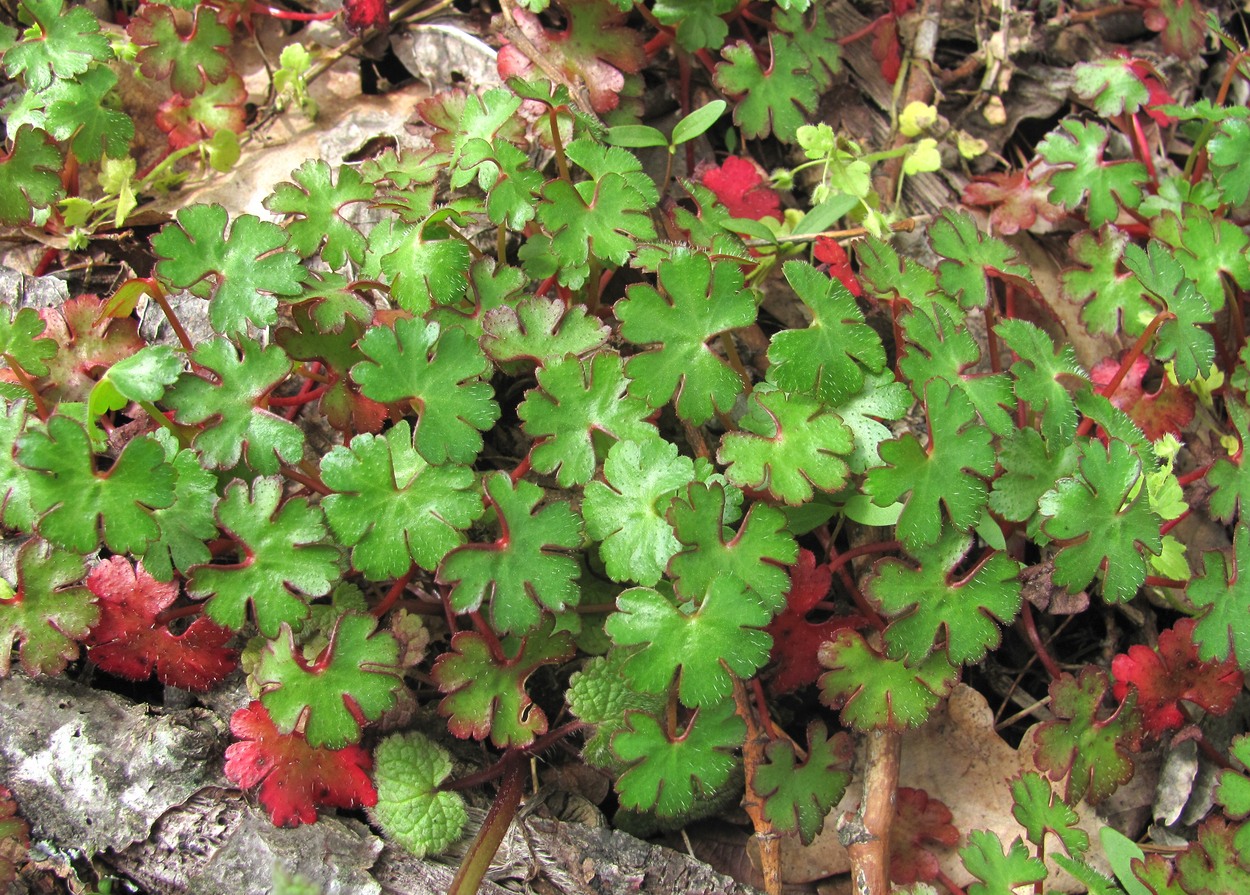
[(798, 797), (878, 693), (526, 570), (354, 679), (600, 694), (47, 614), (1214, 864), (318, 198), (704, 643), (411, 809), (88, 341), (1031, 467), (1231, 477), (1229, 147), (286, 559), (62, 43), (1168, 410), (543, 330), (1223, 629)]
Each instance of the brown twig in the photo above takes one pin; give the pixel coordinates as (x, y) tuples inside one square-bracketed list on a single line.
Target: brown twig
[(866, 834)]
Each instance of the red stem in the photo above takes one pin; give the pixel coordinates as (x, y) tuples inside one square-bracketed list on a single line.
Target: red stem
[(1035, 640), (25, 382), (477, 861), (1159, 581), (309, 482), (1126, 364), (302, 397), (837, 561), (1190, 477), (292, 16), (393, 595), (1172, 523), (169, 615)]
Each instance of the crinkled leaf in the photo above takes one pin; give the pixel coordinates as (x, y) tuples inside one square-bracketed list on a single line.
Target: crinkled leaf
[(1031, 466), (48, 613), (411, 809), (1211, 252), (1215, 865), (540, 329), (188, 522), (742, 187), (600, 694)]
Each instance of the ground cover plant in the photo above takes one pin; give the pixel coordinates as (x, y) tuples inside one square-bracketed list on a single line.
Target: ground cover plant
[(592, 434)]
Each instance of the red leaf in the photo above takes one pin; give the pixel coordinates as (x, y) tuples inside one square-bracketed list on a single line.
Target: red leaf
[(1173, 672), (1159, 95), (1018, 199), (294, 777), (130, 640), (361, 15), (830, 251), (796, 641), (742, 187), (1168, 409), (918, 821), (886, 49)]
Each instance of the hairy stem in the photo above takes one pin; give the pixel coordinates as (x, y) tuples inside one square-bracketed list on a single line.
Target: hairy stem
[(476, 862)]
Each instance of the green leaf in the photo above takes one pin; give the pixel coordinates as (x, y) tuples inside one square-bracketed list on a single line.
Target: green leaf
[(62, 43), (439, 372), (798, 797), (1215, 863), (1085, 744), (950, 472), (15, 509), (46, 615), (1229, 148), (425, 266), (971, 257), (485, 691), (669, 770), (704, 643), (188, 522), (828, 359), (19, 339), (1031, 467), (882, 398), (1110, 86), (143, 376), (241, 272), (1044, 378), (29, 175), (412, 810), (354, 679), (999, 873), (1220, 590), (698, 300), (756, 555), (1112, 299), (701, 119), (543, 330), (935, 607), (789, 444), (1234, 791), (699, 23), (577, 402), (509, 180), (814, 36), (1103, 520), (392, 507), (318, 199), (235, 410), (1077, 151), (776, 99), (287, 560), (526, 570), (180, 49), (888, 276), (1183, 340), (81, 113), (1211, 252), (600, 695), (940, 348), (1039, 812), (627, 511), (878, 693), (635, 136), (79, 508), (1231, 478)]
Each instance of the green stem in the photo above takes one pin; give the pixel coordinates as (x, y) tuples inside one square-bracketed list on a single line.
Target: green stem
[(476, 862)]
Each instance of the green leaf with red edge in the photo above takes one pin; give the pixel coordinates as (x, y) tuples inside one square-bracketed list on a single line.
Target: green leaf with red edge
[(1111, 298), (542, 330), (16, 511), (1086, 744), (181, 46), (1017, 199), (392, 508), (1077, 151), (882, 398), (1234, 791), (285, 560), (950, 472), (1031, 466), (218, 107), (1181, 24), (595, 49), (354, 679), (48, 612), (889, 276), (1157, 874), (1164, 676), (628, 510), (188, 522), (600, 695), (1103, 521), (412, 809), (668, 770), (527, 571), (971, 258), (233, 412), (424, 264), (798, 796), (61, 43), (1215, 864), (88, 342), (815, 38), (29, 175), (788, 445), (700, 24), (1110, 86), (1223, 600), (796, 641), (439, 371), (938, 347), (878, 693), (318, 197), (508, 178), (776, 98), (919, 822), (577, 404), (14, 837), (82, 114), (1231, 477), (698, 300), (80, 508), (1183, 338), (704, 643), (19, 339), (241, 271), (1036, 808), (488, 117), (491, 286), (132, 641), (484, 692), (458, 117), (294, 777), (1165, 411), (1045, 377), (756, 555), (933, 607), (1229, 147), (1210, 251), (999, 873), (829, 358), (344, 407)]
